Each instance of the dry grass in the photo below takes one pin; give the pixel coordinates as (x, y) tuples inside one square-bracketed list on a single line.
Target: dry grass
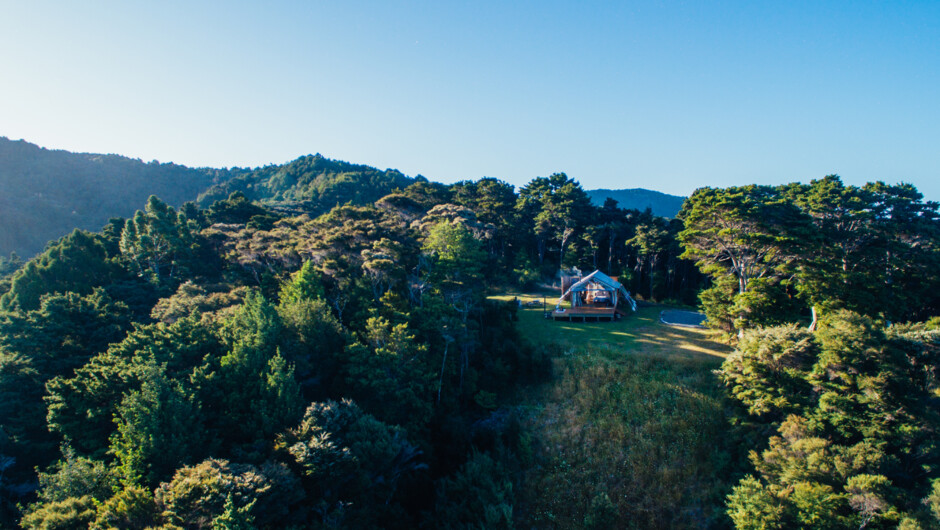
[(631, 424)]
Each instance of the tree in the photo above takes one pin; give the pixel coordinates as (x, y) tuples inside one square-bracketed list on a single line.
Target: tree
[(767, 373), (158, 428), (350, 459), (216, 492), (494, 203), (651, 241), (75, 476), (157, 242), (73, 513), (380, 264), (479, 495), (65, 331), (305, 284), (748, 232), (81, 408), (856, 444), (387, 372), (235, 209), (77, 263), (257, 384), (132, 508), (559, 208), (457, 259), (313, 341)]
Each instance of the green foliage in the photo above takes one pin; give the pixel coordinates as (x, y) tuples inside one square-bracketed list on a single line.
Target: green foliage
[(314, 183), (457, 263), (388, 374), (479, 495), (235, 518), (260, 394), (753, 506), (717, 303), (73, 513), (235, 209), (191, 299), (651, 241), (132, 508), (24, 441), (157, 242), (767, 373), (880, 243), (602, 514), (526, 274), (823, 245), (857, 445), (77, 263), (932, 501), (281, 403), (305, 284), (65, 331), (76, 476), (219, 492), (559, 208), (494, 203), (749, 233), (158, 428), (313, 342), (82, 408), (351, 459)]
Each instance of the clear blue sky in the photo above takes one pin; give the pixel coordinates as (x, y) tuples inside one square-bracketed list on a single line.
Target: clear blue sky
[(663, 95)]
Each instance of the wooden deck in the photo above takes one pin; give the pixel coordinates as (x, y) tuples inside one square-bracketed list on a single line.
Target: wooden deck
[(585, 313)]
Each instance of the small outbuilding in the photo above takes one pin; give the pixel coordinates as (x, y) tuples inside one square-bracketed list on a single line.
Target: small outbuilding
[(595, 296)]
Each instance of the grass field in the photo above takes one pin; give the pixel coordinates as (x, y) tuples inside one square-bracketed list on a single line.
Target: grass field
[(641, 333), (631, 430)]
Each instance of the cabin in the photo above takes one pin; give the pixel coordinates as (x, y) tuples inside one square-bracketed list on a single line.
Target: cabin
[(594, 297)]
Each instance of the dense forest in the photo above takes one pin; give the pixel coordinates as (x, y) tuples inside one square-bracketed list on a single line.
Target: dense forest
[(48, 193), (312, 346)]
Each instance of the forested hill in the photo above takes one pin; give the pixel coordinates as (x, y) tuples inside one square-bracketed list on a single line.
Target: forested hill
[(312, 184), (662, 204), (240, 367), (48, 193)]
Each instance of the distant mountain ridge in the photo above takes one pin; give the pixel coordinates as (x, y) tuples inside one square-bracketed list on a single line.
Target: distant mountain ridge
[(48, 193), (662, 204)]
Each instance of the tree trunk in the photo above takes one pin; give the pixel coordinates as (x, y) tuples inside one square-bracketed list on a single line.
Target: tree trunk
[(440, 384)]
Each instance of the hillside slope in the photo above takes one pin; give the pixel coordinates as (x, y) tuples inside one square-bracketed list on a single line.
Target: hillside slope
[(311, 184), (48, 193), (663, 204)]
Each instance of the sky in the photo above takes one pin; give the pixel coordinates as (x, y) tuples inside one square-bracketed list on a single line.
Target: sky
[(669, 96)]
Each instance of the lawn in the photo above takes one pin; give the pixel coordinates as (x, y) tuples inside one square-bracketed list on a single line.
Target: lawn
[(631, 431), (640, 333)]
